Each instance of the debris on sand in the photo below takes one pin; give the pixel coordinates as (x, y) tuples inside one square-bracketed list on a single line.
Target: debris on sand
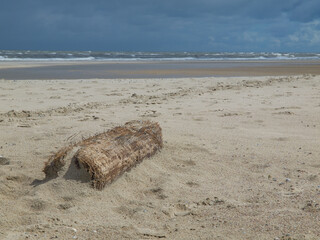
[(107, 155)]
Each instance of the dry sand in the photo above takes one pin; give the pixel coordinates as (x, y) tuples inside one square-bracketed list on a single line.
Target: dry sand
[(241, 159)]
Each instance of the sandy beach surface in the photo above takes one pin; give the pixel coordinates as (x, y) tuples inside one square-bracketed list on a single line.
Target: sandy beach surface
[(241, 158)]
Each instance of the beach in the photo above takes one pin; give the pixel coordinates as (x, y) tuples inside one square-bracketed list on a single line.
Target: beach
[(240, 158)]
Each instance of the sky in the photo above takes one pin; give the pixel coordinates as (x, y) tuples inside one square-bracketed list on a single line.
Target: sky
[(161, 25)]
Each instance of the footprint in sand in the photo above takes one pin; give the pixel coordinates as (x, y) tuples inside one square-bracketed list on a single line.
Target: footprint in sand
[(157, 192), (51, 89), (281, 139), (55, 97), (151, 113), (38, 205), (65, 206), (199, 119), (259, 121), (259, 168), (192, 184), (284, 113), (229, 114), (189, 162)]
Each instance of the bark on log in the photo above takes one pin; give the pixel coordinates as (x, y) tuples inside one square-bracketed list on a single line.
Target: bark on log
[(107, 155)]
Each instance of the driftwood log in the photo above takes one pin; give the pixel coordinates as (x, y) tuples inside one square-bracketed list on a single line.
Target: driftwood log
[(107, 155)]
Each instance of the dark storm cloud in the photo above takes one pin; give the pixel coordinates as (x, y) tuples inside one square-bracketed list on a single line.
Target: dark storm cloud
[(154, 25)]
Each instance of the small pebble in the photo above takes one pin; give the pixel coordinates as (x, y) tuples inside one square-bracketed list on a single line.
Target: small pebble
[(4, 161)]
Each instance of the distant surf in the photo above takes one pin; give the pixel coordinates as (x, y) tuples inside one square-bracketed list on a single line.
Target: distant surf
[(10, 55)]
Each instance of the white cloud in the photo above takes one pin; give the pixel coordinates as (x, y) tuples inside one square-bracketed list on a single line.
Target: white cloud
[(308, 33)]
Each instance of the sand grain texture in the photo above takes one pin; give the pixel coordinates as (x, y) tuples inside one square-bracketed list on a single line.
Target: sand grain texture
[(240, 159)]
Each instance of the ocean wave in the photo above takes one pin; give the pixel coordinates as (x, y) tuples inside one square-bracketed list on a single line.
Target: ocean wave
[(6, 55)]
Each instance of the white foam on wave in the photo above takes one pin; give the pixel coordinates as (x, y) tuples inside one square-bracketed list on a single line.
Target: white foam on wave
[(154, 56)]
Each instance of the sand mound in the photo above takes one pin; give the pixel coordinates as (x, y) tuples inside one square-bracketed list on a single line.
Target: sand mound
[(107, 155)]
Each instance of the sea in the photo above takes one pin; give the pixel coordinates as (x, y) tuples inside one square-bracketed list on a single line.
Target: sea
[(18, 55)]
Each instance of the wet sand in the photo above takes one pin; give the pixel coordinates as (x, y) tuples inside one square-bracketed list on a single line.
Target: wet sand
[(240, 158), (130, 70)]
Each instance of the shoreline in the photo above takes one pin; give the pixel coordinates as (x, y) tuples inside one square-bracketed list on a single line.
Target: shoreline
[(238, 150), (25, 70)]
